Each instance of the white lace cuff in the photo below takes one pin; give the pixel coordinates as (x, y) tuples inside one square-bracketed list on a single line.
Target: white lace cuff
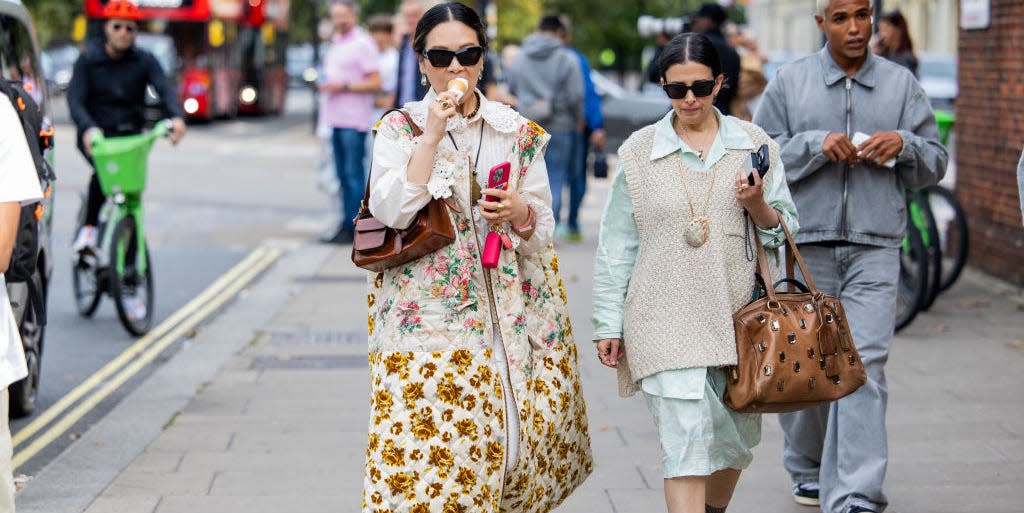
[(515, 238), (441, 179)]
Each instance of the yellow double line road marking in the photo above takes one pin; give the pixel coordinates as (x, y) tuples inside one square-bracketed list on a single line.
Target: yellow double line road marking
[(145, 349)]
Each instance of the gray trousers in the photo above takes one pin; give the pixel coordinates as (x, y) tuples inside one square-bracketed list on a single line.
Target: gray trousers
[(843, 446)]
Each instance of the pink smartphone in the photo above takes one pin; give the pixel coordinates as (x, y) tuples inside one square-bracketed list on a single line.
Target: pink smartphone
[(498, 178)]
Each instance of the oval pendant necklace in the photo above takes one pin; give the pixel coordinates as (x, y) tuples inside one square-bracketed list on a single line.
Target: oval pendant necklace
[(698, 229)]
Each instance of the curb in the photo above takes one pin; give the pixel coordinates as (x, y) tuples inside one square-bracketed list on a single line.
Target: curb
[(75, 478)]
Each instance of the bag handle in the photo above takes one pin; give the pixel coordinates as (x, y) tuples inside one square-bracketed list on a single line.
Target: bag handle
[(364, 206), (791, 252)]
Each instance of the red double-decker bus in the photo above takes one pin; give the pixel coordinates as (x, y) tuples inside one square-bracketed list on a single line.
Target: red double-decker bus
[(228, 54)]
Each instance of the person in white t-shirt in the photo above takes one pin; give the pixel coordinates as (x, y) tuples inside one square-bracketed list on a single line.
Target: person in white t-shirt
[(19, 184)]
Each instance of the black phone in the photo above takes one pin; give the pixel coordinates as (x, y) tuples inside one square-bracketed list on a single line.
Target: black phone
[(759, 161)]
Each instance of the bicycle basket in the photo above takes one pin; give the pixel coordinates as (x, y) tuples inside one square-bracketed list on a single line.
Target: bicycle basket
[(121, 163)]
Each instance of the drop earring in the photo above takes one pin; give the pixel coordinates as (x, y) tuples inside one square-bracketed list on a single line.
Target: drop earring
[(423, 80)]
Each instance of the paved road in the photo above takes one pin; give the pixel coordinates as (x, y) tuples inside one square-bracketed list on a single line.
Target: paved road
[(209, 202)]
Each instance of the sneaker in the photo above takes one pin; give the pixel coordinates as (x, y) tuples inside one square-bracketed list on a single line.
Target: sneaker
[(134, 307), (806, 494), (574, 236), (86, 239)]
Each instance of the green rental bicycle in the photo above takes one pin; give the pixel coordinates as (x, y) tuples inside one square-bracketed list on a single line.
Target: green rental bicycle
[(125, 272), (935, 247)]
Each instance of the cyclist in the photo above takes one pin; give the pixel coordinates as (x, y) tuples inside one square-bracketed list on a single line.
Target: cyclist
[(107, 95)]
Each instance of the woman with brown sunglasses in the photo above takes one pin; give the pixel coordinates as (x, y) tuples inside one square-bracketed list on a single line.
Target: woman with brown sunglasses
[(671, 268), (475, 401)]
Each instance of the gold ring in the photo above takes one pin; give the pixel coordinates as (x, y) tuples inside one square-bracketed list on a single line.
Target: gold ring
[(445, 105), (499, 207), (742, 187)]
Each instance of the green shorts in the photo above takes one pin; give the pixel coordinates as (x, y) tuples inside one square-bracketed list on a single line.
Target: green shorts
[(699, 434)]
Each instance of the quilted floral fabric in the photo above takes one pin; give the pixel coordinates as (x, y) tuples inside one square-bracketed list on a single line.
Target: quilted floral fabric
[(438, 433)]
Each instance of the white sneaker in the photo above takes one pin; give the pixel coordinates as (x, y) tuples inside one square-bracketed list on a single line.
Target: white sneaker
[(134, 307), (86, 239)]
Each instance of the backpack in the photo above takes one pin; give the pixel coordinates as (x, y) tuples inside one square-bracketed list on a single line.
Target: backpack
[(26, 243)]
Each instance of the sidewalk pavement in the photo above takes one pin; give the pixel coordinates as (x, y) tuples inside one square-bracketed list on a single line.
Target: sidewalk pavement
[(265, 410)]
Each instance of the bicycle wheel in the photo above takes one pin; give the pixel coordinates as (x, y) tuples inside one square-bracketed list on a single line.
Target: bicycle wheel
[(86, 283), (132, 290), (913, 285), (951, 223), (932, 249)]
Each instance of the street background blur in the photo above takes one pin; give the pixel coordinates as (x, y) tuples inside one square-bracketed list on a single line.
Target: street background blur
[(254, 180)]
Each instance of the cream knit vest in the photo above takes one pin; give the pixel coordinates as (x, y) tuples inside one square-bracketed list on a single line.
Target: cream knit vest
[(679, 305)]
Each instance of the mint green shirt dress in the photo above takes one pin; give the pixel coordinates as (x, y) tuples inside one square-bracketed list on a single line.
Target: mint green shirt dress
[(699, 435)]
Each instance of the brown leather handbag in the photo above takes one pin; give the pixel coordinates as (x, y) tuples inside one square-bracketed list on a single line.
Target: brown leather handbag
[(378, 247), (794, 349)]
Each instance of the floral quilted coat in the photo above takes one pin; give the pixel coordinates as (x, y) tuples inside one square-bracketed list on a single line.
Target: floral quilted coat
[(439, 439)]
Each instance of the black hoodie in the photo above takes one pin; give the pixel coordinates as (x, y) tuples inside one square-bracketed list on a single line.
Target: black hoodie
[(111, 94)]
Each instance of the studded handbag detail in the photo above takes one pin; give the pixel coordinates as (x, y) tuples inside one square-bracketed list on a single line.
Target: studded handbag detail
[(794, 349)]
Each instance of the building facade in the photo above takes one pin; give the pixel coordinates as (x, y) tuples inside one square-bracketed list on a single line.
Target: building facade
[(990, 138), (787, 27)]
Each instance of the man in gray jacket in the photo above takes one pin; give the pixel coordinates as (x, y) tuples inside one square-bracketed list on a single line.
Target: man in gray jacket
[(855, 130), (546, 79)]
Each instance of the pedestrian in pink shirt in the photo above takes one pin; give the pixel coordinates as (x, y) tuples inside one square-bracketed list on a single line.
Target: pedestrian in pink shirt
[(351, 78)]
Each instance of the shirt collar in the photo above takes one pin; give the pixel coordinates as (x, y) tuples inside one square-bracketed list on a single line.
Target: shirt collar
[(865, 76), (730, 135), (499, 116)]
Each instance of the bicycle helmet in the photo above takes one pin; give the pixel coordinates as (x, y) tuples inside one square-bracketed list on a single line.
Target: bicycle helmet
[(122, 10)]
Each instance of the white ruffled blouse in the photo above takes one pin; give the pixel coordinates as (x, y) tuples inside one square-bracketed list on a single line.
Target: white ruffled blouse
[(493, 130)]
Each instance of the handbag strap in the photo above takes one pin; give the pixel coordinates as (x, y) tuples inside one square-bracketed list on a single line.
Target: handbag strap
[(416, 132), (795, 254), (791, 252)]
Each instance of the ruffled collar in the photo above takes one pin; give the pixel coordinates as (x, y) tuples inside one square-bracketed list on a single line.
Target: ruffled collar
[(499, 116)]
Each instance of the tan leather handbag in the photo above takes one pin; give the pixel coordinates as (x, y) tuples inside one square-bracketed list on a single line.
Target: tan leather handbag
[(794, 349), (378, 247)]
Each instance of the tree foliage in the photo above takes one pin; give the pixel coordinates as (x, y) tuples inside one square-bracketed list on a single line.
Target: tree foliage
[(53, 18), (599, 25), (611, 24), (516, 19), (305, 14)]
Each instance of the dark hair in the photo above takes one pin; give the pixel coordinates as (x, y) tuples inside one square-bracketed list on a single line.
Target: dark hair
[(380, 23), (896, 19), (551, 23), (690, 47), (451, 11), (713, 12)]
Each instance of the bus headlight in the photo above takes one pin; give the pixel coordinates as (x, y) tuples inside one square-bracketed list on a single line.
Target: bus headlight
[(191, 106), (248, 95)]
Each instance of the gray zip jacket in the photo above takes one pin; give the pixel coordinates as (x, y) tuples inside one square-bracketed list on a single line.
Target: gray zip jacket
[(862, 204)]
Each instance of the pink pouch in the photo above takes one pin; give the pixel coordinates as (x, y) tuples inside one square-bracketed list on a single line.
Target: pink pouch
[(492, 251)]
